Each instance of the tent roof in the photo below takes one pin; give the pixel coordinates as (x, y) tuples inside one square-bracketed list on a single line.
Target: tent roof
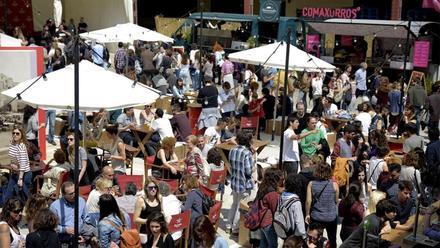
[(9, 41), (125, 33), (275, 54), (98, 88), (364, 27)]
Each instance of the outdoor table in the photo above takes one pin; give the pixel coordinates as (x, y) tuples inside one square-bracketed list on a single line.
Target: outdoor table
[(334, 123), (259, 145), (147, 131), (397, 236)]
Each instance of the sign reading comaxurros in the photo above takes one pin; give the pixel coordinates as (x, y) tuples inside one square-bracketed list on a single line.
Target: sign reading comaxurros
[(325, 13)]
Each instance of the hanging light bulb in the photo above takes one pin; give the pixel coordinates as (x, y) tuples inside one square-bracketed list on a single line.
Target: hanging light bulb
[(206, 101), (395, 27), (400, 45), (337, 43)]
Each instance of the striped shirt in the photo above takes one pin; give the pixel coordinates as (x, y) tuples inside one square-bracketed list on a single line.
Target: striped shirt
[(241, 169), (19, 156)]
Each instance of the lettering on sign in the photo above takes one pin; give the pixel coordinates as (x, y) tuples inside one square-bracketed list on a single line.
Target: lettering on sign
[(325, 13)]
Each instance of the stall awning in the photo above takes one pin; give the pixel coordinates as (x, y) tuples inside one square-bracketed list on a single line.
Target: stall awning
[(362, 27)]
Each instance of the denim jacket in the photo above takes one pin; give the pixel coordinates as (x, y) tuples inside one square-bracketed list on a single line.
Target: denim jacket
[(108, 233)]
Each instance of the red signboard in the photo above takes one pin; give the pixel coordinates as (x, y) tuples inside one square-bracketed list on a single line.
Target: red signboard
[(421, 53), (325, 13), (346, 41)]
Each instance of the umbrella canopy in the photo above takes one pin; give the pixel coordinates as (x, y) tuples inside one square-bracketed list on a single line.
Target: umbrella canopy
[(125, 33), (98, 88), (298, 59), (8, 41)]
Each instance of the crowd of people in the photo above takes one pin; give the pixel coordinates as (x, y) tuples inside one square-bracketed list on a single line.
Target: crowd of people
[(317, 185)]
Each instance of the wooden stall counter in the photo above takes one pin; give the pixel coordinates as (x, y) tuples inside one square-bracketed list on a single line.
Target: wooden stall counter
[(398, 236)]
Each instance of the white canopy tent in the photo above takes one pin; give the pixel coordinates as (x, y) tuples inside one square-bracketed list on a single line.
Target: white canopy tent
[(125, 33), (8, 41), (98, 88), (298, 59)]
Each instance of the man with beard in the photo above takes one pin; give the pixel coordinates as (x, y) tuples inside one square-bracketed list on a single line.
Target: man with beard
[(302, 116), (375, 224)]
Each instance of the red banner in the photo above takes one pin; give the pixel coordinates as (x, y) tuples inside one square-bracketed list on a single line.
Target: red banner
[(421, 53)]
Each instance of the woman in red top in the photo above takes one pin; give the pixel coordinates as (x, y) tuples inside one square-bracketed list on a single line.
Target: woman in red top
[(352, 210), (268, 196), (256, 110)]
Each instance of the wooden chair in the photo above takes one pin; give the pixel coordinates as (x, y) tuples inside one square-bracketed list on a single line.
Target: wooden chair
[(130, 154), (250, 124), (123, 180), (133, 224), (181, 222), (84, 191), (172, 183), (216, 178), (214, 214), (207, 191), (149, 165)]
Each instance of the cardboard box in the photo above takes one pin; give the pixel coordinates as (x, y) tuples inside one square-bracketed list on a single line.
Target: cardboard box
[(164, 102), (269, 125)]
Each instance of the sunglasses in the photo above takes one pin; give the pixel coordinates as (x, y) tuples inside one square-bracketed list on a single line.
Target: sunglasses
[(16, 133), (70, 139), (152, 187), (148, 106)]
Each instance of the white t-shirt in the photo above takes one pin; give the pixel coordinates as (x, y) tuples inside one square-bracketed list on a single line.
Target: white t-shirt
[(291, 149), (226, 101), (317, 86), (365, 118), (213, 137), (331, 111), (92, 201), (374, 173), (163, 126)]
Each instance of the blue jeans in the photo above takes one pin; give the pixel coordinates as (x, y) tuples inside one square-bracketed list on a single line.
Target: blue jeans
[(195, 77), (268, 237), (13, 187), (50, 119)]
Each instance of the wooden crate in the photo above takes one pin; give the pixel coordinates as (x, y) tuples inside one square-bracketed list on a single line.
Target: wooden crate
[(269, 125)]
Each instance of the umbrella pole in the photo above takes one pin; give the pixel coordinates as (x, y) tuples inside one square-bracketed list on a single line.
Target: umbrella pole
[(76, 116), (283, 109)]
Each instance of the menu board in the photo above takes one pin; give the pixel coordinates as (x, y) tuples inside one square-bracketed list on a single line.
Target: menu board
[(421, 53)]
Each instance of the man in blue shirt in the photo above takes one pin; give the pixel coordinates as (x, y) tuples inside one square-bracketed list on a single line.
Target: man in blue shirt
[(361, 80), (64, 208), (242, 182)]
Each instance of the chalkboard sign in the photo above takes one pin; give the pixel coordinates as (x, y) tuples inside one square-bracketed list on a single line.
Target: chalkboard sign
[(249, 125)]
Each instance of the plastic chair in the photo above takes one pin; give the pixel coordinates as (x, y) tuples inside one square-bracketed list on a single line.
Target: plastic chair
[(181, 222), (123, 180)]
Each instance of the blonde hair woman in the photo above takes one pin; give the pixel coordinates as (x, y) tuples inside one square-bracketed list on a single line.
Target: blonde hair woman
[(103, 186)]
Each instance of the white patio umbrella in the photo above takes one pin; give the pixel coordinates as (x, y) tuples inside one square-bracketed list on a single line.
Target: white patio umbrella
[(298, 59), (57, 12), (9, 41), (98, 88), (125, 33)]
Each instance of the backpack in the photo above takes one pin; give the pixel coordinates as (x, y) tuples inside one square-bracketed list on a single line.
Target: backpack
[(207, 203), (129, 238), (281, 219), (253, 219), (341, 170)]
